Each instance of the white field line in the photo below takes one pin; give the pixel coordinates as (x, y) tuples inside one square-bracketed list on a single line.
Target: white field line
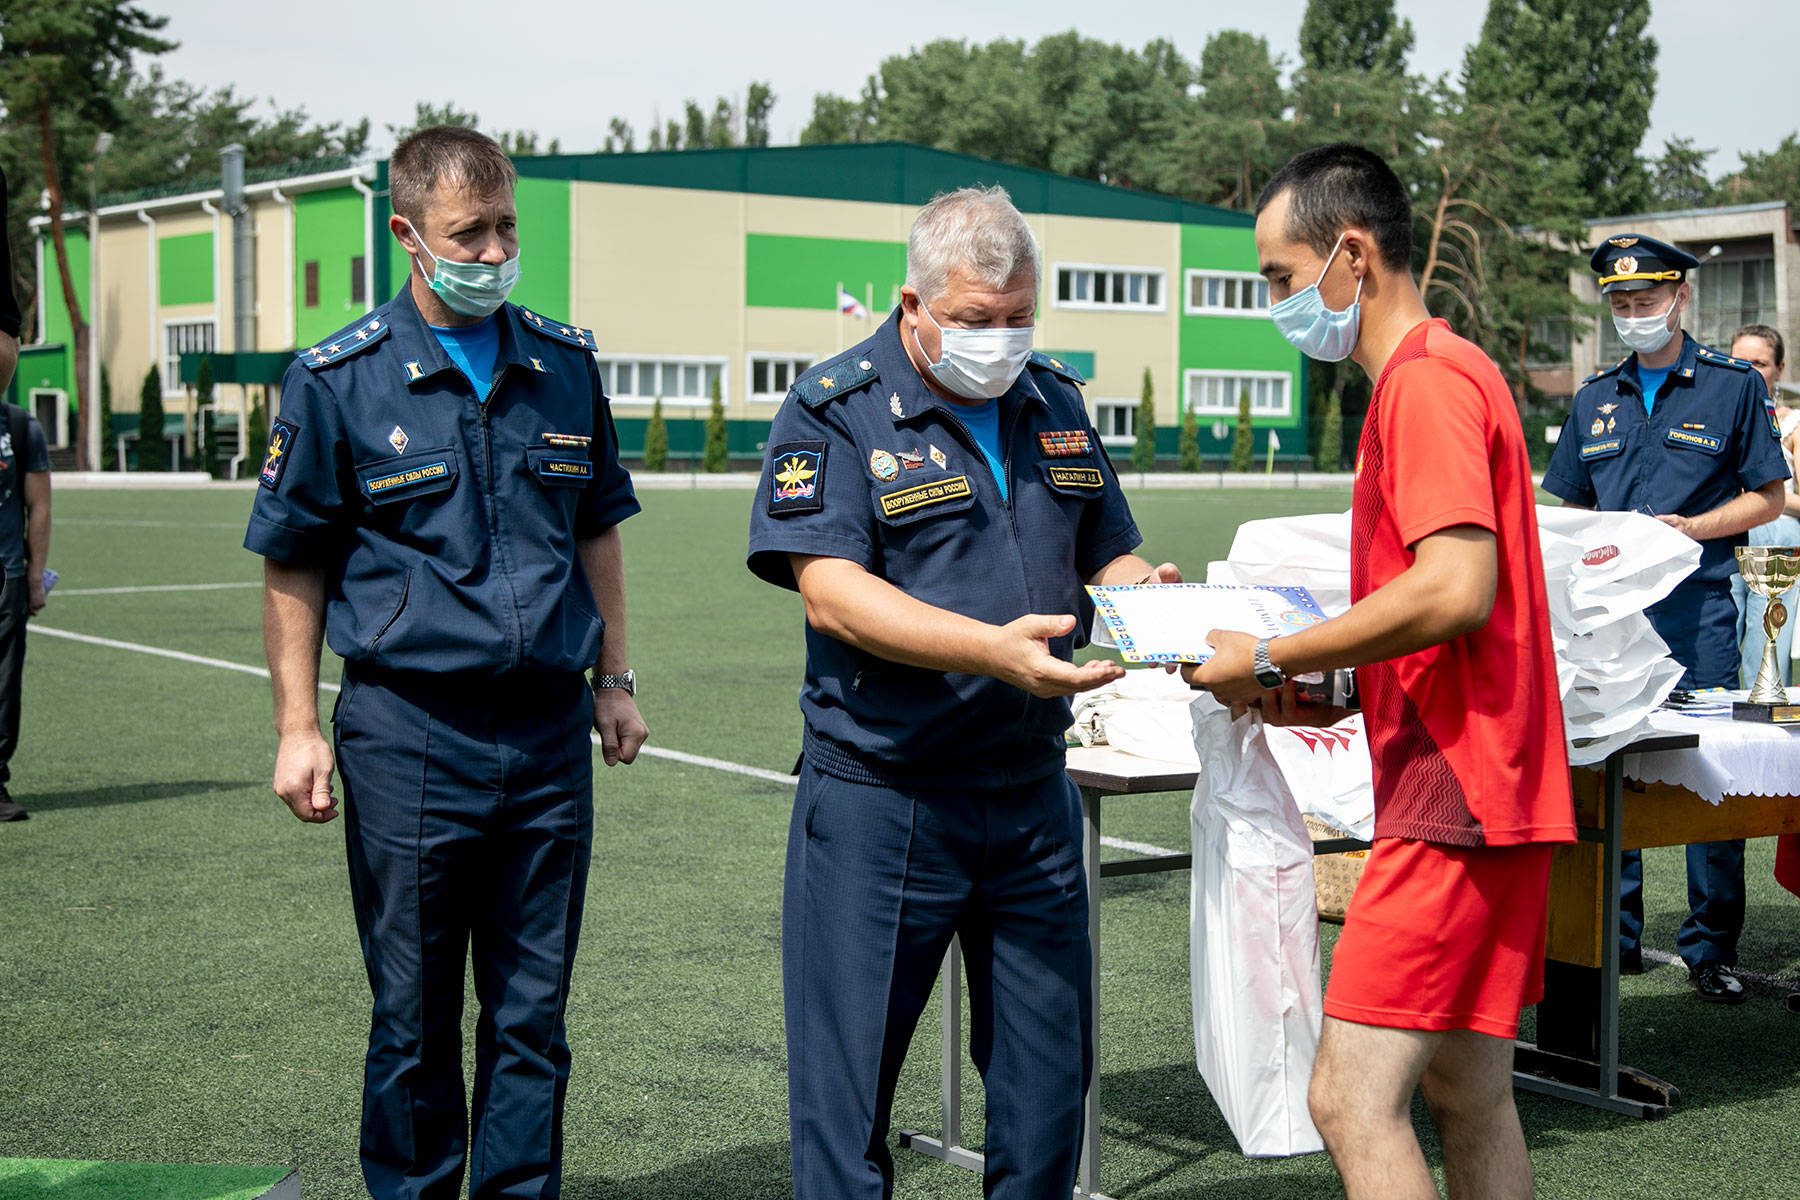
[(153, 587), (150, 524), (1143, 848), (1778, 982)]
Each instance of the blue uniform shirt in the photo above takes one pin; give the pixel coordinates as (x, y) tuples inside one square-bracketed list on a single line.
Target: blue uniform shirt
[(447, 526), (983, 421), (473, 348), (1709, 435), (867, 464)]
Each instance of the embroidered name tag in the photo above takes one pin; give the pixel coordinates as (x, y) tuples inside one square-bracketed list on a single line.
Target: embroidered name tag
[(1600, 449), (566, 468), (1081, 477), (1700, 441), (924, 496), (1070, 443), (387, 483)]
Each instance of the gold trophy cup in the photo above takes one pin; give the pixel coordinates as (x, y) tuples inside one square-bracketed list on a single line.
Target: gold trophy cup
[(1769, 571)]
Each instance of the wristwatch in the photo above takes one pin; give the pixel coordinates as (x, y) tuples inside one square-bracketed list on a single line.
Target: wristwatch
[(1267, 673), (626, 682)]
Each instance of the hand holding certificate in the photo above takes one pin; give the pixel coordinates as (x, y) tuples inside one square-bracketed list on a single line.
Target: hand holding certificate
[(1168, 622)]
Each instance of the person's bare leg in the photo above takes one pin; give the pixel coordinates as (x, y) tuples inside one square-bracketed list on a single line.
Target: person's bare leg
[(1361, 1100), (1468, 1087)]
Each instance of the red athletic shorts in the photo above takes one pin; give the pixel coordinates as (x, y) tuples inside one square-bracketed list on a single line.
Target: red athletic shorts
[(1443, 937)]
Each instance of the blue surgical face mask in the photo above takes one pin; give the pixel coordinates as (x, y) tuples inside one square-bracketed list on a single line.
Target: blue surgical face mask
[(1317, 331), (978, 364), (474, 289)]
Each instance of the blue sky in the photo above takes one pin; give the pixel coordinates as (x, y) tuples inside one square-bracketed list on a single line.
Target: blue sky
[(566, 70)]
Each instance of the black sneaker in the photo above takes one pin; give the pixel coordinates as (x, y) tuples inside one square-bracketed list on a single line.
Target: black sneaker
[(1715, 984), (10, 809), (1631, 962)]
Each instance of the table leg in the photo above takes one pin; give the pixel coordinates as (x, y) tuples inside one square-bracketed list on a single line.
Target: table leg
[(1087, 1179), (948, 1147)]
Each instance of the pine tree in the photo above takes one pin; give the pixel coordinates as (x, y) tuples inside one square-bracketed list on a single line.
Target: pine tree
[(1242, 449), (1190, 442), (203, 404), (718, 461), (1143, 454), (656, 440), (152, 450), (256, 429), (1354, 35), (1331, 435)]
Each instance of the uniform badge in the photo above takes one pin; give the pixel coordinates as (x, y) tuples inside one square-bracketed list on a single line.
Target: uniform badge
[(413, 373), (1625, 265), (1071, 443), (894, 404), (1623, 243), (397, 440), (911, 460), (1612, 423), (1608, 408), (883, 466), (567, 441), (796, 478), (937, 456), (275, 458), (1597, 428)]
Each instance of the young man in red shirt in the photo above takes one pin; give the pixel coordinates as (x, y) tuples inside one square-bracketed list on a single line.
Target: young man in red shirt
[(1444, 941)]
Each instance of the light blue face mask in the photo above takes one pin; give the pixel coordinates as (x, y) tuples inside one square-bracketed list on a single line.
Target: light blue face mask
[(1313, 329), (471, 289)]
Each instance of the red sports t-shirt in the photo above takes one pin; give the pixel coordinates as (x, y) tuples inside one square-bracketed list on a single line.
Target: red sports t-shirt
[(1467, 736)]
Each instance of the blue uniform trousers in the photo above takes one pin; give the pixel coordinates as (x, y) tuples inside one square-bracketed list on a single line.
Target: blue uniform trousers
[(878, 880), (1699, 622), (469, 817)]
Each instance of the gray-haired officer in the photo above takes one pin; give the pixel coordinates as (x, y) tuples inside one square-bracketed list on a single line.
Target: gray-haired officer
[(1688, 435), (938, 497), (440, 499)]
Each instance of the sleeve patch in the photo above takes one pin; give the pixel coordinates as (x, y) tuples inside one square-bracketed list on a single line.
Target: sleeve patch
[(275, 458), (796, 478)]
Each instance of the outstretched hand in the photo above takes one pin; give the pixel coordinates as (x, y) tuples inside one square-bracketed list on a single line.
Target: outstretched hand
[(1021, 656)]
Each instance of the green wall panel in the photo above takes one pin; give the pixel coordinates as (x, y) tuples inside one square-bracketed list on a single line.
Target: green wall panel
[(744, 440), (544, 265), (803, 272), (328, 230), (1236, 343), (184, 269), (1081, 360), (56, 309)]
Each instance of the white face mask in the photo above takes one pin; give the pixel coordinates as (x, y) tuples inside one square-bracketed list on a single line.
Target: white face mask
[(978, 364), (1645, 335)]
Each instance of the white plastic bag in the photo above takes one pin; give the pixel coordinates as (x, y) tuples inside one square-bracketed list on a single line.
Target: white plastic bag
[(1254, 938), (1311, 551)]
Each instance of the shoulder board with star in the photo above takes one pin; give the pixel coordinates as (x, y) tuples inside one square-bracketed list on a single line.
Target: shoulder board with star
[(559, 331), (352, 339), (1056, 366), (1714, 358), (1612, 370), (839, 377)]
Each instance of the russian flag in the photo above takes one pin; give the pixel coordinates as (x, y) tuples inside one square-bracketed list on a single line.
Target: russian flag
[(850, 304)]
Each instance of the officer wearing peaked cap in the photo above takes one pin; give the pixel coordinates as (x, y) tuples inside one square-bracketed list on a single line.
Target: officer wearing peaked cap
[(1681, 432), (439, 500)]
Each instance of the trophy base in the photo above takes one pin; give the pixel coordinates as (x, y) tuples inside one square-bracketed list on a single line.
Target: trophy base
[(1768, 714)]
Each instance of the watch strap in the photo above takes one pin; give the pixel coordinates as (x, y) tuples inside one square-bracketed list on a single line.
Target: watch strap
[(626, 682)]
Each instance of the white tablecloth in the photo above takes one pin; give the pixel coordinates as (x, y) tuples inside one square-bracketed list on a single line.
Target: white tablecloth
[(1734, 758)]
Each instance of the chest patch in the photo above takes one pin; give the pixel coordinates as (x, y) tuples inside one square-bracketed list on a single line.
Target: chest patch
[(924, 495), (1602, 449), (275, 458), (564, 468), (1696, 441), (1081, 477), (407, 478), (1070, 443), (796, 478)]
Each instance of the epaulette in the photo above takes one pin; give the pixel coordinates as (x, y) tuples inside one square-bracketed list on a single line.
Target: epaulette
[(836, 378), (574, 335), (1058, 366), (351, 339), (1722, 360), (1612, 370)]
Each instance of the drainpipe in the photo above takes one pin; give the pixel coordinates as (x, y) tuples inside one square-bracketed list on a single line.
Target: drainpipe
[(368, 195), (206, 206), (293, 315), (150, 287)]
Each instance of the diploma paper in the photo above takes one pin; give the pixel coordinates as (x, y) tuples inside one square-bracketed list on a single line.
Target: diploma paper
[(1168, 622)]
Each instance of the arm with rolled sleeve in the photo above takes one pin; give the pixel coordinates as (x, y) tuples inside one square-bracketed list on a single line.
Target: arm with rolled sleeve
[(1760, 472)]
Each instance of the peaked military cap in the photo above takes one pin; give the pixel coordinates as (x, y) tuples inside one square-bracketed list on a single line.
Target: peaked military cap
[(1631, 262)]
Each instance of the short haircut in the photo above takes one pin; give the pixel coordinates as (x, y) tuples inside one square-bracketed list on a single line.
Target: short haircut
[(446, 157), (1766, 333), (975, 228), (1339, 186)]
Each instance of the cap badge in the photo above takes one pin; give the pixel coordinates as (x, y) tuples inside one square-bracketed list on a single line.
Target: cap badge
[(1625, 265), (1623, 243)]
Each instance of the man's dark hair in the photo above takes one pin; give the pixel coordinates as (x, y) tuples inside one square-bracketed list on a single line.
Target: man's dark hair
[(445, 156), (1339, 186)]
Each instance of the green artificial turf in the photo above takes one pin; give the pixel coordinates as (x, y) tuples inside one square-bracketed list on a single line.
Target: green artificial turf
[(180, 981), (45, 1179)]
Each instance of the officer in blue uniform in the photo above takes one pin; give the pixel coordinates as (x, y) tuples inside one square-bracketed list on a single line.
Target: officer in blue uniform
[(1686, 434), (439, 499), (938, 497)]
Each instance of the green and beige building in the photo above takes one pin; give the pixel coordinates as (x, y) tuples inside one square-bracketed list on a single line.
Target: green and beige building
[(690, 267)]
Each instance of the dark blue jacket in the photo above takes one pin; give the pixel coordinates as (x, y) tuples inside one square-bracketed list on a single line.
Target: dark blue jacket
[(867, 464), (446, 522)]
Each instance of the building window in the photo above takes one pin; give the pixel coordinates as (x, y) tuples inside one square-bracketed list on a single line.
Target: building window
[(1227, 294), (359, 295), (312, 285), (1216, 393), (1116, 421), (687, 381), (1548, 343), (1079, 285), (1732, 293), (185, 337), (771, 375)]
